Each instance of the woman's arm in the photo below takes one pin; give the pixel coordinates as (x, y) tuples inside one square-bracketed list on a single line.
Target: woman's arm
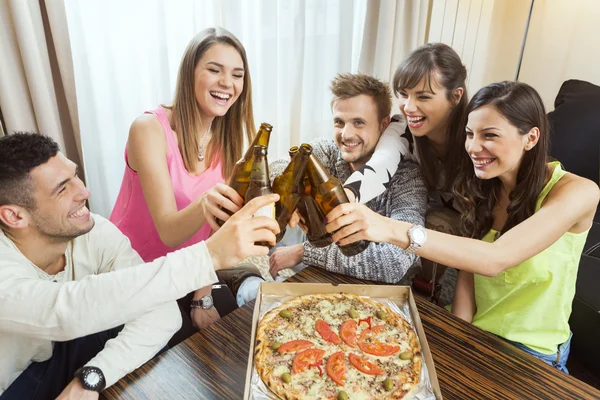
[(147, 155), (463, 304), (569, 207), (372, 180)]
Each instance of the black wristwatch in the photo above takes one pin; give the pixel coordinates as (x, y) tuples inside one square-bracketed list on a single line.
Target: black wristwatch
[(204, 303), (91, 378)]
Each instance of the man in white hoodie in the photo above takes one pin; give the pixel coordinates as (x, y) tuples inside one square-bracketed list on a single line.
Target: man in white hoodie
[(78, 308)]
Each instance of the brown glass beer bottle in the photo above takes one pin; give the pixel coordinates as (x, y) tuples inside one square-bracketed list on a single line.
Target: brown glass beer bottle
[(288, 186), (328, 193), (240, 177), (260, 185)]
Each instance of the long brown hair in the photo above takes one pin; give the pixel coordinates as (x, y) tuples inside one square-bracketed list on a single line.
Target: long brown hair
[(228, 131), (522, 106), (440, 62)]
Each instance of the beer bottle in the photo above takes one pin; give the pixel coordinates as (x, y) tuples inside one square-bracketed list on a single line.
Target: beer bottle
[(260, 185), (328, 193), (288, 186), (240, 177), (313, 218)]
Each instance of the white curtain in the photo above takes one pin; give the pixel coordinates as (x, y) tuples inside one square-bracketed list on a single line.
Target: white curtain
[(126, 55), (37, 89)]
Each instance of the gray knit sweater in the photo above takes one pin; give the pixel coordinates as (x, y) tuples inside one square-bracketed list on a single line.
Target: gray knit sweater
[(405, 199)]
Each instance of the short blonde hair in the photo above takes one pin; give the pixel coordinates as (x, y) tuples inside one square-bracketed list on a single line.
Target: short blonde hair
[(345, 86)]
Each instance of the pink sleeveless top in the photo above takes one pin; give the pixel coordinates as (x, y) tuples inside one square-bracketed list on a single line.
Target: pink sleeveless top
[(131, 214)]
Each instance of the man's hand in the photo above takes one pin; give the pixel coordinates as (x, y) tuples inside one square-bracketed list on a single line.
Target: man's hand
[(352, 222), (285, 257), (220, 197), (75, 391), (350, 195), (236, 239), (202, 318), (296, 219)]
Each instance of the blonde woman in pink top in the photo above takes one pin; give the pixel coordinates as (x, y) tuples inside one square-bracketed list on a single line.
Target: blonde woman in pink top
[(178, 157)]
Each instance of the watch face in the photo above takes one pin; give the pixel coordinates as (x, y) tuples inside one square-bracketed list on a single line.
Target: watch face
[(92, 378), (207, 302), (418, 235)]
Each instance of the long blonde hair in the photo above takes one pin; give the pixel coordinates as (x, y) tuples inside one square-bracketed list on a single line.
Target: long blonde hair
[(228, 131)]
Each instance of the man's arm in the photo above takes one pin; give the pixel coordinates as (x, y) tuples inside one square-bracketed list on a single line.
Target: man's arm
[(142, 337), (381, 261), (64, 311)]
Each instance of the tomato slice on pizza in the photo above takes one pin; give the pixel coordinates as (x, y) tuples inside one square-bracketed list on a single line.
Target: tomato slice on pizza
[(348, 332), (324, 330), (371, 333), (378, 348), (365, 366), (336, 368), (306, 359), (295, 346)]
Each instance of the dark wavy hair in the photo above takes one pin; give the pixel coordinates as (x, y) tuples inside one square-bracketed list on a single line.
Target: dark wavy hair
[(19, 154), (522, 106), (438, 62)]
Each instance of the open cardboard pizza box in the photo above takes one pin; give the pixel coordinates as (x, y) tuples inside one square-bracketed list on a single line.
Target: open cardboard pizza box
[(399, 295)]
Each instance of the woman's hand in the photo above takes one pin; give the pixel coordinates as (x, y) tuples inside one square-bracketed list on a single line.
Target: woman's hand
[(219, 198), (352, 222)]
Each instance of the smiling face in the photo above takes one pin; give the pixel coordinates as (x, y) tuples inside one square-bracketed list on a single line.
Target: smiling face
[(218, 79), (357, 128), (60, 213), (496, 147), (426, 108)]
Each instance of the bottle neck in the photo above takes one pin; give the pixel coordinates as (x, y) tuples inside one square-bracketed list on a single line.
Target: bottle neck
[(261, 139), (316, 172), (260, 167)]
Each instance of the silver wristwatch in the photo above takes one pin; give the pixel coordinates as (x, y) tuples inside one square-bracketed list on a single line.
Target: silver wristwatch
[(418, 236), (204, 303)]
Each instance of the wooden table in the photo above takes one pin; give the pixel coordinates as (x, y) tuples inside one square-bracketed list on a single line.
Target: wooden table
[(470, 363)]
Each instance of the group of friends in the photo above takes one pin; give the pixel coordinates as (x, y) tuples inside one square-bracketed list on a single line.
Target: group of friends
[(466, 184)]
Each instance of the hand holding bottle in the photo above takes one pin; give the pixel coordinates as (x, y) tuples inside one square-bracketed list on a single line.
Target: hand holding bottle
[(215, 201), (238, 237)]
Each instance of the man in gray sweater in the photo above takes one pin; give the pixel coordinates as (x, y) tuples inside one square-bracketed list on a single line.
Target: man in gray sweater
[(361, 106)]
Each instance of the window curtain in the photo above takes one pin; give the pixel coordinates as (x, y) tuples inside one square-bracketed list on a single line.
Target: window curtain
[(126, 55), (37, 88)]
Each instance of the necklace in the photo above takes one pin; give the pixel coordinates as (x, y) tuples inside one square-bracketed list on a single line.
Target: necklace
[(201, 148)]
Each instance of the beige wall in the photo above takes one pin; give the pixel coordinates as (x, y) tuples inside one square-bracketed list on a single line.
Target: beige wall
[(563, 43), (486, 34)]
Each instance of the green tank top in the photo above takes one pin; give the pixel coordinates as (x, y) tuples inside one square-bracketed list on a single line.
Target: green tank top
[(531, 302)]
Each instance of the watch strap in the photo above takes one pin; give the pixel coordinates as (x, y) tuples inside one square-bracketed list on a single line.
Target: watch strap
[(412, 248)]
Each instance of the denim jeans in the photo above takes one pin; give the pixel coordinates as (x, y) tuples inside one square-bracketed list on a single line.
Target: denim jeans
[(557, 360), (47, 379)]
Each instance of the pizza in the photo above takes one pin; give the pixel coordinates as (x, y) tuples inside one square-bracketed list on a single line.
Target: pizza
[(336, 346)]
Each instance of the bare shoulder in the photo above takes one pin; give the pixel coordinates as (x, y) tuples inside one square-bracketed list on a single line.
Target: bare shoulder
[(146, 132), (572, 186), (146, 126)]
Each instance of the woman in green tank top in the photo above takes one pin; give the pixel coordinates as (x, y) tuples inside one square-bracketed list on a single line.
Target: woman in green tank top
[(525, 220)]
